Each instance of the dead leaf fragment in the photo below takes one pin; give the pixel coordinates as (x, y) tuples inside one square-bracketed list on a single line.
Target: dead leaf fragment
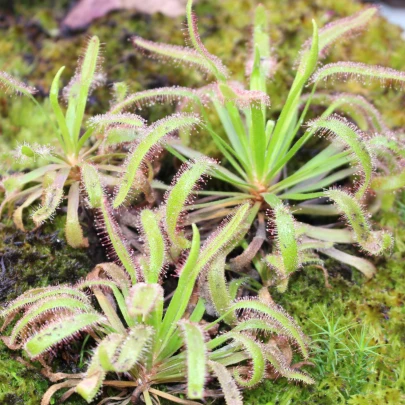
[(88, 10)]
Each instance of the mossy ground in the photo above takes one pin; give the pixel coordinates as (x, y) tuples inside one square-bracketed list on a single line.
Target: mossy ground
[(32, 48), (376, 305)]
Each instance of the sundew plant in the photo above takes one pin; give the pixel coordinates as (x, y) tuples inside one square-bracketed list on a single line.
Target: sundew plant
[(357, 157), (144, 338), (59, 172)]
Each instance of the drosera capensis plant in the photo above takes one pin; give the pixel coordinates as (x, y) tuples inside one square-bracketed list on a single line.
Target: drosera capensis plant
[(144, 339), (59, 172), (358, 156), (62, 167)]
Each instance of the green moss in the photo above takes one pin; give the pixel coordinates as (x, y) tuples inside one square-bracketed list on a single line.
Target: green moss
[(19, 385), (38, 258)]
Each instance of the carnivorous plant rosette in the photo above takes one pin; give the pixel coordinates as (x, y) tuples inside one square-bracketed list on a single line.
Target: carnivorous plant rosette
[(61, 168), (143, 338), (357, 155)]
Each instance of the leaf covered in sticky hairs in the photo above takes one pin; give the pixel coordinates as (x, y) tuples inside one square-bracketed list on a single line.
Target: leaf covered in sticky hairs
[(352, 138), (154, 258), (10, 84), (181, 54), (60, 331), (214, 64), (344, 27), (147, 98), (150, 140), (181, 193), (196, 360), (360, 72), (374, 242)]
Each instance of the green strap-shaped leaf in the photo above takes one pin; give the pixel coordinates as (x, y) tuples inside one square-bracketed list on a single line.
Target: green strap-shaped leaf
[(110, 233), (165, 51), (182, 294), (219, 293), (34, 295), (360, 72), (44, 306), (286, 121), (154, 246), (179, 194), (58, 331), (120, 353), (92, 184), (374, 242), (359, 263), (151, 139), (214, 64), (287, 243), (158, 95), (345, 26), (275, 313), (257, 140), (196, 353), (90, 61), (226, 381), (128, 119), (73, 230), (228, 233), (255, 325), (80, 86), (143, 299), (9, 83), (51, 198), (344, 131), (276, 358), (54, 100), (260, 65), (118, 248), (255, 352)]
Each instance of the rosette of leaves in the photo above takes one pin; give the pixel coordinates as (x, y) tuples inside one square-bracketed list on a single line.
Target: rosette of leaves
[(353, 156), (144, 338), (60, 168)]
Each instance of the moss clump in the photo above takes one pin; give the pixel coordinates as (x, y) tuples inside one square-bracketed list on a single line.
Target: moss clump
[(19, 385), (37, 258)]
